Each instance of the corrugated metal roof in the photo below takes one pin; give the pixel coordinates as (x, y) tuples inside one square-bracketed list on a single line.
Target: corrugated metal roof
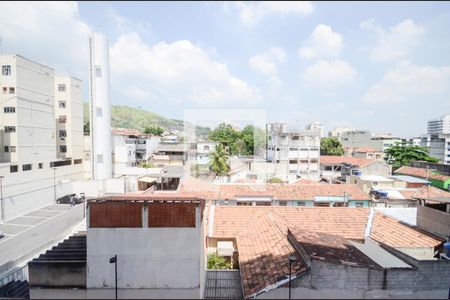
[(223, 284)]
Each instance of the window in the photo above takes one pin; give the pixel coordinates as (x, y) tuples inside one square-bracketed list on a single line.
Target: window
[(10, 148), (295, 138), (63, 148), (62, 119), (26, 167), (10, 128), (9, 109), (292, 171), (77, 161), (292, 161), (62, 134), (13, 169), (12, 90), (205, 148), (5, 90), (98, 71), (6, 70), (6, 149), (62, 104), (40, 165), (359, 204), (300, 203), (328, 168), (61, 87), (282, 203), (293, 149)]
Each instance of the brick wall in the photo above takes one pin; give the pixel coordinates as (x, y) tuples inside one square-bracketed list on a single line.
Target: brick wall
[(114, 214), (171, 215)]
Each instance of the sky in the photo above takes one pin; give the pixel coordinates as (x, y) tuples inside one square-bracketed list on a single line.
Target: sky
[(378, 66)]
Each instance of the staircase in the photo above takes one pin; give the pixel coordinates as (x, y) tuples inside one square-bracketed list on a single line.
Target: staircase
[(17, 289)]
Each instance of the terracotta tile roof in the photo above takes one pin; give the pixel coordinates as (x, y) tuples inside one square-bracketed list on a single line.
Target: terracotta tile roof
[(335, 160), (396, 234), (332, 248), (263, 254), (422, 173), (365, 149), (424, 192), (349, 223), (276, 191), (146, 197), (306, 181)]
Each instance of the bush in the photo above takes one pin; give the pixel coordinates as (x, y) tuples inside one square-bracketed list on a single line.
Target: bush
[(216, 262), (275, 180)]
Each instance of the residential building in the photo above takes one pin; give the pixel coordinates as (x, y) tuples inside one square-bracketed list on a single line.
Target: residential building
[(357, 139), (157, 241), (436, 179), (69, 117), (406, 197), (295, 154), (334, 168), (339, 131), (439, 126), (443, 169), (316, 126), (364, 152), (372, 254), (204, 148)]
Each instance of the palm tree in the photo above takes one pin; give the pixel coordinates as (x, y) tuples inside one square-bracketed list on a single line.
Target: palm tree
[(219, 161)]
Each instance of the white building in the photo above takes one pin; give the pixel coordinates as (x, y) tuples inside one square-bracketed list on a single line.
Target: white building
[(100, 108), (316, 126), (353, 140), (294, 154), (338, 131), (440, 125), (69, 117), (203, 150), (28, 138)]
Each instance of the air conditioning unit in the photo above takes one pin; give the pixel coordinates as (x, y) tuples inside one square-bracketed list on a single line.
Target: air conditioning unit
[(225, 248)]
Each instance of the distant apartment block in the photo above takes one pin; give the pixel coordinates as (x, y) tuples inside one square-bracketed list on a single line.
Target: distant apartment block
[(295, 154), (352, 140), (439, 126), (69, 117), (316, 126), (338, 131)]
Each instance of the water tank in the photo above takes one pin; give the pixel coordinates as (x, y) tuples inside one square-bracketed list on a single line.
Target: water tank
[(447, 248)]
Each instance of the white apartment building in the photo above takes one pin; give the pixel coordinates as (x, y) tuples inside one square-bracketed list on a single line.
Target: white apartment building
[(69, 117), (316, 126), (204, 148), (439, 126), (338, 131), (294, 154), (28, 138), (358, 139)]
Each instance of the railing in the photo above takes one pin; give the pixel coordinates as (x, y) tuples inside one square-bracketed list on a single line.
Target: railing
[(16, 274)]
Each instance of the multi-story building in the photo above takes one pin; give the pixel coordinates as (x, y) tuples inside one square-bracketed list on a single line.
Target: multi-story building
[(295, 154), (316, 126), (338, 131), (439, 126), (353, 140), (69, 117), (29, 162)]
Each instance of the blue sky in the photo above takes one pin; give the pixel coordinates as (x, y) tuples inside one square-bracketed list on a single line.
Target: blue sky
[(381, 66)]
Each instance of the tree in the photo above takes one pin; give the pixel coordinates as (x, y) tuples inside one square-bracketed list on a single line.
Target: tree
[(216, 262), (227, 136), (219, 161), (401, 154), (275, 180), (86, 128), (331, 146), (254, 138), (155, 130)]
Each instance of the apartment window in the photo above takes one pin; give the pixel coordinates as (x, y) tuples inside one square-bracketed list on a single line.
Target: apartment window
[(328, 168), (292, 172), (62, 134), (282, 203), (98, 71), (6, 70), (9, 109), (13, 169), (61, 87), (300, 203), (12, 90), (40, 165), (292, 161), (63, 148), (359, 204), (6, 148), (293, 149), (26, 167), (295, 138), (5, 90), (77, 161), (10, 128), (62, 119), (62, 104)]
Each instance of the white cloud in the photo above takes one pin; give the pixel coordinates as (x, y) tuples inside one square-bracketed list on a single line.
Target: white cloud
[(267, 62), (251, 13), (47, 32), (411, 83), (396, 43), (178, 71), (323, 43), (328, 75)]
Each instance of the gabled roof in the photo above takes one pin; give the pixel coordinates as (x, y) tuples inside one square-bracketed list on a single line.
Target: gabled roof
[(365, 150), (424, 192), (422, 173), (337, 160)]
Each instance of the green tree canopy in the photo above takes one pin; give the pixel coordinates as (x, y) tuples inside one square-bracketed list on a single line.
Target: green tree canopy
[(155, 130), (401, 154), (219, 161), (331, 146)]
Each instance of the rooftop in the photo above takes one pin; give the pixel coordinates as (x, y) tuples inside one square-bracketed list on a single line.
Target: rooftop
[(336, 160), (409, 179), (422, 173)]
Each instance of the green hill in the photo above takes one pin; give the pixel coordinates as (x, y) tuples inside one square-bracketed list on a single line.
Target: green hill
[(129, 117)]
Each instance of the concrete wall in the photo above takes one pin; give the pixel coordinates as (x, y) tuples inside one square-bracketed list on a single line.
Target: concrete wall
[(433, 220), (110, 293), (159, 258), (58, 274)]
